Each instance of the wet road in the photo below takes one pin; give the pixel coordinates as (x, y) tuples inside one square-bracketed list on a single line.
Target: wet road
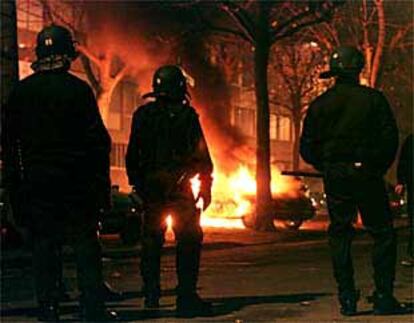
[(249, 276)]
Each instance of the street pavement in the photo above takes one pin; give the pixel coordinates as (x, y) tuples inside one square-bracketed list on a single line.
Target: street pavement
[(249, 277)]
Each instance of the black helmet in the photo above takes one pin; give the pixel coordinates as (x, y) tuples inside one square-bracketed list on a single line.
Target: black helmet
[(55, 40), (344, 61), (169, 81)]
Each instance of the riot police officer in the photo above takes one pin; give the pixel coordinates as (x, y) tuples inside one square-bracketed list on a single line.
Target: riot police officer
[(350, 135), (166, 149), (56, 163)]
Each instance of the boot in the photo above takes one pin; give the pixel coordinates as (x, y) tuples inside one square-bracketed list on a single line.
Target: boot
[(48, 312), (348, 301), (387, 304), (192, 305), (102, 315), (93, 310)]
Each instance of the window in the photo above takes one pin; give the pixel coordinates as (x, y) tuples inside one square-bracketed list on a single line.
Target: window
[(280, 127), (123, 104), (29, 15), (284, 129), (118, 153), (273, 126), (245, 121)]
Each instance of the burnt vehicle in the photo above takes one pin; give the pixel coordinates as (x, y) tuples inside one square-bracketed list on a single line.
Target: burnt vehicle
[(290, 211), (123, 218)]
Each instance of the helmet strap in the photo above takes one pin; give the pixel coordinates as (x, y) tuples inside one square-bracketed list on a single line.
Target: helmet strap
[(52, 62)]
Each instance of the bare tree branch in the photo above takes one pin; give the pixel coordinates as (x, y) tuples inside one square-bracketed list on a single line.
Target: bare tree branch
[(86, 63), (245, 17), (119, 76), (294, 30), (276, 102), (237, 16), (221, 29), (86, 52), (400, 34), (290, 22)]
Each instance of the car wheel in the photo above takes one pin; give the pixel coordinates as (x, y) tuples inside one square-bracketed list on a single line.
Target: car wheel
[(130, 234), (248, 221), (292, 224)]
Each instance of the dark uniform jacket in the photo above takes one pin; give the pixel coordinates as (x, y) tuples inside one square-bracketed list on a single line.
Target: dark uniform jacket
[(350, 123), (166, 143), (405, 163), (53, 138)]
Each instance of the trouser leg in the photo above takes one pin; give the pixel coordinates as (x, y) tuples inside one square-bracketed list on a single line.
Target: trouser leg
[(89, 267), (152, 242), (188, 264), (377, 218), (46, 268), (189, 242), (151, 263), (81, 230), (384, 259), (46, 235), (342, 212)]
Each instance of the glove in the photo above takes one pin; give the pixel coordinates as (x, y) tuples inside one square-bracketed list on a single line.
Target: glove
[(205, 190), (205, 195)]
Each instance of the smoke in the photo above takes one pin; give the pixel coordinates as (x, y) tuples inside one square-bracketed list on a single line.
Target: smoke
[(144, 37), (118, 31), (212, 100)]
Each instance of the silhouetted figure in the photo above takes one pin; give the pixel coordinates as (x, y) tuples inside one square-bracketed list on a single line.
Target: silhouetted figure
[(166, 149), (350, 135), (56, 163)]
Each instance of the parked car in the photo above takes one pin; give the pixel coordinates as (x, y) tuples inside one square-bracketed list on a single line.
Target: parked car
[(398, 204), (122, 219)]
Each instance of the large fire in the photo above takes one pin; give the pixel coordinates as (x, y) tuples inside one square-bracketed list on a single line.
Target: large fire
[(233, 197)]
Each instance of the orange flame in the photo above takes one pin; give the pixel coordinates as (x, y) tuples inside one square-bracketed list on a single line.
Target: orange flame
[(234, 195)]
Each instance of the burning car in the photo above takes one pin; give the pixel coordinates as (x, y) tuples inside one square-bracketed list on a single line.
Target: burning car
[(234, 200), (288, 211)]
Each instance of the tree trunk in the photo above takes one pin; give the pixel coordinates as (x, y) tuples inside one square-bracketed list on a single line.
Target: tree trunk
[(104, 101), (366, 44), (380, 43), (9, 52), (263, 219), (296, 132)]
